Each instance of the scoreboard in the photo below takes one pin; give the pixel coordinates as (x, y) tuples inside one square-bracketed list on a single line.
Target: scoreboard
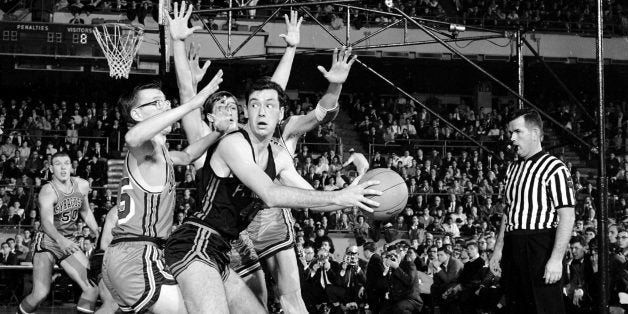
[(48, 39)]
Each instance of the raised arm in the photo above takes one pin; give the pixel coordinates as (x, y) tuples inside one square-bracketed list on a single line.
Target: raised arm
[(193, 151), (327, 108), (138, 138), (234, 151), (189, 73), (292, 38)]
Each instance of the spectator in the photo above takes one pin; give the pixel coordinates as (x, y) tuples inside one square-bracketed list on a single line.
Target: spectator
[(375, 287), (446, 270), (7, 257), (324, 275), (403, 285), (352, 277), (463, 294), (578, 283), (361, 230)]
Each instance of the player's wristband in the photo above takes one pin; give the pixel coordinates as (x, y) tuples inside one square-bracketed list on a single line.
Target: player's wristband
[(321, 112)]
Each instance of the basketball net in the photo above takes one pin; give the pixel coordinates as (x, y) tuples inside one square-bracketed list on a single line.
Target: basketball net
[(120, 43)]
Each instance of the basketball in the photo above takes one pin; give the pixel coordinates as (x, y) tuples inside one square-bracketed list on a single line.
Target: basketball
[(394, 189)]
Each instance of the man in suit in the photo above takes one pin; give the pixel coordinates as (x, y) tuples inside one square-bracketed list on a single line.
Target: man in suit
[(375, 289), (324, 278), (446, 270), (402, 280), (6, 256)]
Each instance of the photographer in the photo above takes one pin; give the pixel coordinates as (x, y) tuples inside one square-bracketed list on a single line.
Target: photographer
[(324, 277), (352, 278), (402, 280)]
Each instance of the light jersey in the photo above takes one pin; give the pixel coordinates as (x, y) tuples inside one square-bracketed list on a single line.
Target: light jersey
[(67, 208), (227, 204), (142, 210)]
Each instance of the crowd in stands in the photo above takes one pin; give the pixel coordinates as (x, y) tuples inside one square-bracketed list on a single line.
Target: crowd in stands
[(434, 253), (561, 16)]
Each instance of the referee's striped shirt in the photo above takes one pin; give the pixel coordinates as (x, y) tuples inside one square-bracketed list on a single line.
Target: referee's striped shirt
[(535, 189)]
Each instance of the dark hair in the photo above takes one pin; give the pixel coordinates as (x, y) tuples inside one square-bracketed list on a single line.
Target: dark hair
[(471, 243), (578, 239), (444, 249), (128, 100), (531, 117), (370, 246), (59, 155), (266, 83), (208, 107)]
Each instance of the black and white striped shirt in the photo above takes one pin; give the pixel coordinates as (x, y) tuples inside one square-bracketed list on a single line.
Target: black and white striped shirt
[(535, 189)]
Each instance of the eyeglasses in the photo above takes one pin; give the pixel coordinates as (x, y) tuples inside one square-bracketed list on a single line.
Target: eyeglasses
[(352, 253), (160, 104)]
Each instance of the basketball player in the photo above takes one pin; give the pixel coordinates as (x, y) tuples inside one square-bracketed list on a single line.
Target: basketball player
[(235, 188), (271, 232), (109, 305), (60, 203), (133, 269)]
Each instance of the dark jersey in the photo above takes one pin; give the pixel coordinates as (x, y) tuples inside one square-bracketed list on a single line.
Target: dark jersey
[(227, 204)]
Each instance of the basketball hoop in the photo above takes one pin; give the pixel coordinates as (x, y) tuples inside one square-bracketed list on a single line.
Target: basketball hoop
[(120, 43)]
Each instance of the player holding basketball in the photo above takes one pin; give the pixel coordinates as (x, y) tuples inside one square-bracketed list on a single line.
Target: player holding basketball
[(271, 231), (60, 203), (133, 269)]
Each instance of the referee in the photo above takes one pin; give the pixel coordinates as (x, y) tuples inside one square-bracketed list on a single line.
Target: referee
[(537, 223)]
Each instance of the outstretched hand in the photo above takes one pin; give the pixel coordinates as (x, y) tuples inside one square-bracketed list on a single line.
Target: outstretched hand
[(199, 99), (355, 195), (340, 66), (198, 72), (293, 25), (179, 24)]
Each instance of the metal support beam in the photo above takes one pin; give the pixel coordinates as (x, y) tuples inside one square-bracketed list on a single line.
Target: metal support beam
[(211, 33), (257, 30), (322, 26), (275, 6), (506, 87), (429, 110), (558, 80), (376, 32), (229, 23), (520, 65), (602, 222)]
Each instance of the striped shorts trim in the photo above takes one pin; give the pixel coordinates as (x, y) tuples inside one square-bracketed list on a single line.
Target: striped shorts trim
[(272, 231), (193, 242), (123, 262)]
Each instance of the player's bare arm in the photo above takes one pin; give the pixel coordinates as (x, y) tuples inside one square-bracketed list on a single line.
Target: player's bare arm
[(327, 108), (47, 199), (292, 38), (86, 211), (110, 221), (234, 152), (195, 150), (289, 176), (139, 137), (188, 71)]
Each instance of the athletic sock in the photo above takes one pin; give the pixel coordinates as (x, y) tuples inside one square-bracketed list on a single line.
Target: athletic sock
[(85, 306), (25, 308)]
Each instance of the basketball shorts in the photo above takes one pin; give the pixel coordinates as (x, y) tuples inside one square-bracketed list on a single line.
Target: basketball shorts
[(271, 231), (44, 243), (134, 273), (193, 242), (243, 258)]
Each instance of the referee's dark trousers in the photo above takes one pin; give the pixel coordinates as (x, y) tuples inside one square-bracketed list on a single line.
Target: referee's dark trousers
[(524, 256)]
